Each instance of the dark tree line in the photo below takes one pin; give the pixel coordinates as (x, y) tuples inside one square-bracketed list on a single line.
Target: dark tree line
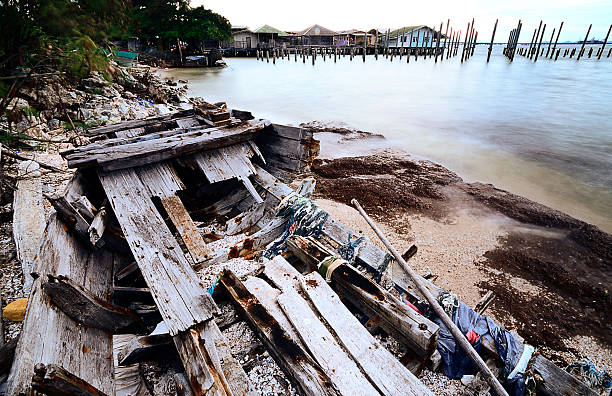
[(71, 32)]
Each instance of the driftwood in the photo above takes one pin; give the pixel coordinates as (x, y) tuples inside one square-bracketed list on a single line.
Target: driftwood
[(85, 308), (301, 369), (137, 151), (53, 380), (385, 310)]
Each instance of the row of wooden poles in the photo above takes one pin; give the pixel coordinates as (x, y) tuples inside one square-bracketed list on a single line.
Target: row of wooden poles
[(447, 49), (535, 46)]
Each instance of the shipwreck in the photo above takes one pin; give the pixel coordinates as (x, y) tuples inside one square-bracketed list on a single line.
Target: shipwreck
[(155, 202)]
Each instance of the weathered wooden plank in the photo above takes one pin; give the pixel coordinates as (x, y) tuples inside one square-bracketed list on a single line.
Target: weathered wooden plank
[(141, 152), (251, 189), (186, 228), (341, 369), (28, 217), (282, 274), (160, 179), (267, 296), (271, 184), (304, 372), (176, 289), (552, 380), (70, 216), (83, 351), (136, 123), (388, 375), (85, 308), (54, 380), (233, 371), (226, 163)]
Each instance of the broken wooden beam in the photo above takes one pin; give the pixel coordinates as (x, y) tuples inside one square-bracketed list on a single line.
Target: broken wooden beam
[(137, 151), (307, 376), (186, 228), (85, 308), (137, 123), (484, 302), (97, 227), (54, 380), (144, 348)]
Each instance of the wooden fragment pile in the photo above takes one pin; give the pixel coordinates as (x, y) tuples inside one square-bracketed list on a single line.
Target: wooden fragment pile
[(150, 204)]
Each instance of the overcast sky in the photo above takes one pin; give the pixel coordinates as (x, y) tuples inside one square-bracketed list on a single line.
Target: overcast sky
[(359, 14)]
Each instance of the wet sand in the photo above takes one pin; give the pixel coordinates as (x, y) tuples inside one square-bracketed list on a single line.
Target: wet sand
[(551, 273)]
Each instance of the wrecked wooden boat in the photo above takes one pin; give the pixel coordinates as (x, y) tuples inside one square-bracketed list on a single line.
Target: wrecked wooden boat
[(170, 217)]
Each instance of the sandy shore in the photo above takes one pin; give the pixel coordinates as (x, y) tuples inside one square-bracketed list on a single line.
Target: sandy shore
[(550, 272)]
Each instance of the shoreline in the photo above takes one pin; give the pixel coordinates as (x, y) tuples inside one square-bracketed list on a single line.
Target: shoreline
[(472, 237), (543, 265)]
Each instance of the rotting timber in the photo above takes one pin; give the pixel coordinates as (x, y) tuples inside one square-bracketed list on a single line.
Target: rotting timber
[(148, 207)]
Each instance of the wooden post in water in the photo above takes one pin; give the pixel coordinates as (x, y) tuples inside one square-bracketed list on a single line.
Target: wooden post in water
[(376, 46), (557, 40), (540, 43), (467, 32), (474, 43), (516, 38), (456, 51), (590, 51), (603, 46), (438, 42), (468, 48), (535, 42), (450, 43), (550, 42), (584, 42), (409, 47), (416, 50), (365, 44), (532, 41), (609, 52), (445, 38), (492, 38)]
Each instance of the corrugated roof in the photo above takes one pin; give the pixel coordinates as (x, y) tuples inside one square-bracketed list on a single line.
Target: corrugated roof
[(270, 30), (406, 29), (317, 30)]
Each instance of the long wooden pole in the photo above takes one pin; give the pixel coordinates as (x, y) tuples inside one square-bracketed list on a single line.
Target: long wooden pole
[(467, 32), (492, 38), (584, 42), (445, 38), (516, 38), (461, 339), (540, 43), (603, 46), (557, 40)]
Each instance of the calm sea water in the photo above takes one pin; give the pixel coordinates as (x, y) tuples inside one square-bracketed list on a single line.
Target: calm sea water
[(542, 130)]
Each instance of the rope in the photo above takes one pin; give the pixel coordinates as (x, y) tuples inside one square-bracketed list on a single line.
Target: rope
[(347, 251), (588, 373)]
